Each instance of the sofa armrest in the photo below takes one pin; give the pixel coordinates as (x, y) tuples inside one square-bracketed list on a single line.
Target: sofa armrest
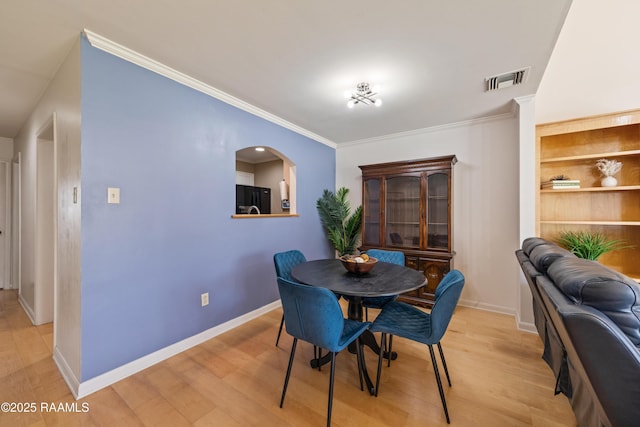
[(589, 283), (604, 358), (610, 360)]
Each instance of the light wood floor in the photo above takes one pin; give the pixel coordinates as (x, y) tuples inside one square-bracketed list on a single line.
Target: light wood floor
[(236, 379)]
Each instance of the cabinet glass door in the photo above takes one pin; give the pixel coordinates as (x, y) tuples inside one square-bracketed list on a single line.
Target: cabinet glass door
[(402, 210), (371, 212), (438, 211)]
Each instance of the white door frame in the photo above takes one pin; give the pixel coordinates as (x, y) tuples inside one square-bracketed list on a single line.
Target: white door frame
[(16, 221)]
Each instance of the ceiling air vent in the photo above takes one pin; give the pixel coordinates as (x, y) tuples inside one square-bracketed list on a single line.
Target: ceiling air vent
[(511, 78)]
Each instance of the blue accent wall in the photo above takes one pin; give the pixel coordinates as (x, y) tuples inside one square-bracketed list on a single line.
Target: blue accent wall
[(145, 262)]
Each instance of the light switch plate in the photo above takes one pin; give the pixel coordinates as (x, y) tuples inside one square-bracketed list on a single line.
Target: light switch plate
[(113, 195)]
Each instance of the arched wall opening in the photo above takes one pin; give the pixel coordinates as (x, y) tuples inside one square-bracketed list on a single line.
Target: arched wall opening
[(262, 168)]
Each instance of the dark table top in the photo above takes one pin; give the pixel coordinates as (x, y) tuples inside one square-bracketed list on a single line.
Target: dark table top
[(383, 280)]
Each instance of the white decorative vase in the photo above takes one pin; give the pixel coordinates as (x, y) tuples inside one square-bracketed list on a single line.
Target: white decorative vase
[(609, 181)]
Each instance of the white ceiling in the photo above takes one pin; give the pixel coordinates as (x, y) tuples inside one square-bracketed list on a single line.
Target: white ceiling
[(295, 58)]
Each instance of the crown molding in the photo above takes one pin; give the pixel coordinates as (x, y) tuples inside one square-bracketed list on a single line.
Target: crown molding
[(522, 100), (134, 57), (431, 129)]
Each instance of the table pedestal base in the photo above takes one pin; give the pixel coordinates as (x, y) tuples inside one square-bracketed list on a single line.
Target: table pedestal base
[(367, 339)]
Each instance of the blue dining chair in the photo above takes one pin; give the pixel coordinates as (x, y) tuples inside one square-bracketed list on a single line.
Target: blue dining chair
[(284, 262), (313, 314), (409, 322), (392, 257)]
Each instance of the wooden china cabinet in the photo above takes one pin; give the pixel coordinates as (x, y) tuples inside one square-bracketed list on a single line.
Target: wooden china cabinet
[(407, 206)]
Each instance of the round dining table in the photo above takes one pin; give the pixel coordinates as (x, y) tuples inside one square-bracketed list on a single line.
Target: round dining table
[(384, 279)]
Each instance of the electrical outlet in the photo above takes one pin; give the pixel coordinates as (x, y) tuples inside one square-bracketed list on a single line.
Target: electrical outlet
[(113, 195), (204, 299)]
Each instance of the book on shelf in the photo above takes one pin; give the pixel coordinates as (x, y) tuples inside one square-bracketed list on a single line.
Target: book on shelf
[(556, 184)]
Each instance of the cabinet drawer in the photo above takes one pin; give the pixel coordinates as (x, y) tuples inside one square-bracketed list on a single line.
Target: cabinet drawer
[(434, 270), (412, 262)]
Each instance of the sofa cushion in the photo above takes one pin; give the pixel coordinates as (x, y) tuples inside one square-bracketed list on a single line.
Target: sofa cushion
[(531, 242), (590, 283), (542, 256)]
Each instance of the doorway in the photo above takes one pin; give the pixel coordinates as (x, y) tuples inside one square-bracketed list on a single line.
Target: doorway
[(45, 225)]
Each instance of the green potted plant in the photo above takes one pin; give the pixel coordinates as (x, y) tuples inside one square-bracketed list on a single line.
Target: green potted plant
[(589, 245), (343, 228)]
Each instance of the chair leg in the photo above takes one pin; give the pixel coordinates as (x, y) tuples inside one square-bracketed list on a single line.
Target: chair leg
[(280, 330), (333, 370), (389, 350), (286, 378), (437, 373), (366, 314), (360, 360), (380, 356), (444, 363)]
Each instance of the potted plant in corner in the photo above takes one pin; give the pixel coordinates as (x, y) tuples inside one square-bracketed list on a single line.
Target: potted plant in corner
[(589, 245), (343, 228)]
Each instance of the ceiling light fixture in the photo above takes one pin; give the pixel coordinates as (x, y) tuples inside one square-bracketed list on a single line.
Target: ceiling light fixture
[(259, 148), (364, 94)]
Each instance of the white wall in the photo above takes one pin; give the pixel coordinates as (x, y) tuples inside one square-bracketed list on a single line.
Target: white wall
[(6, 148), (62, 97), (594, 67), (527, 195), (485, 197)]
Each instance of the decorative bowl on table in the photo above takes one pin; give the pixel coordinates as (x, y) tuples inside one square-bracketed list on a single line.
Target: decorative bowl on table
[(358, 264)]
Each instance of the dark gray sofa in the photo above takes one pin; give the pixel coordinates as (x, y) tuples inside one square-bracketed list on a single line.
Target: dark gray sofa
[(588, 318)]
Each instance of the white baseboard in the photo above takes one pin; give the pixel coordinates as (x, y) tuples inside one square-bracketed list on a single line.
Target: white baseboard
[(30, 314), (487, 307), (92, 385), (85, 388), (66, 372), (522, 326), (525, 326)]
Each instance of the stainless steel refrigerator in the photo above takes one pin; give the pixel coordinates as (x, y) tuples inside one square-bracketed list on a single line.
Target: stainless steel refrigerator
[(253, 200)]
